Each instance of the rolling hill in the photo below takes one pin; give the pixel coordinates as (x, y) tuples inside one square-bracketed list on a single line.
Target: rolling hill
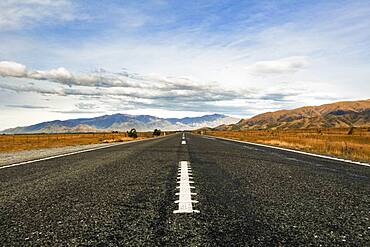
[(339, 114), (123, 122)]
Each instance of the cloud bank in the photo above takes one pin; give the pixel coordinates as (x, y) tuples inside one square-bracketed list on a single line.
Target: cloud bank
[(101, 78), (124, 90), (102, 83)]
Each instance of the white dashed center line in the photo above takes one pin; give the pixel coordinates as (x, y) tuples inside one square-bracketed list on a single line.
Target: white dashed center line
[(185, 202), (183, 142)]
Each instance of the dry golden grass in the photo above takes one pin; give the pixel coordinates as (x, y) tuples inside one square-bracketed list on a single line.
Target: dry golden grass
[(341, 142), (36, 141)]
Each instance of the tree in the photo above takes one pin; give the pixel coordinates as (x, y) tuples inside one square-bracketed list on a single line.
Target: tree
[(132, 133), (157, 132)]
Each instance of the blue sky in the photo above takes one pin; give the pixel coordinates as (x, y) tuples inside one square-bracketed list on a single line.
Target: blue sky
[(67, 59)]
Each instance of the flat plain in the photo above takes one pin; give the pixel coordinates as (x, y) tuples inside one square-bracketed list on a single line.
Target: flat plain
[(20, 142)]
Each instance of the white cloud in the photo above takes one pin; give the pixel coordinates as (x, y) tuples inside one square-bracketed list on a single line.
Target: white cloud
[(60, 74), (279, 66), (12, 69), (124, 84), (132, 85)]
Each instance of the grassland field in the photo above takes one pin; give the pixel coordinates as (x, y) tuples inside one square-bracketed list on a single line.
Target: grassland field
[(348, 143), (20, 142)]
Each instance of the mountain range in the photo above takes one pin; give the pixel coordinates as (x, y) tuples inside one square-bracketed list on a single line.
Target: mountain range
[(339, 114), (123, 122)]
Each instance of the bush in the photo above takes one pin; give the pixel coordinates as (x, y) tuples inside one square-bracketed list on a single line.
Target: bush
[(157, 132), (132, 133)]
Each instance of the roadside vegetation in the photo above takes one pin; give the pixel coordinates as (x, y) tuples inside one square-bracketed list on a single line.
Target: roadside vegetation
[(157, 132), (349, 143), (36, 141), (132, 133)]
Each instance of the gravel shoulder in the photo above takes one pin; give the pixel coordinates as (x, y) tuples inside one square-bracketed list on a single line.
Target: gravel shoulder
[(7, 158)]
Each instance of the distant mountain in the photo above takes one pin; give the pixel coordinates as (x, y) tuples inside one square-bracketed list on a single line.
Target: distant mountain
[(123, 122), (339, 114)]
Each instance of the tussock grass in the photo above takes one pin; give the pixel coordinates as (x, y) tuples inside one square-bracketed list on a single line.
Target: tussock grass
[(353, 143), (19, 142)]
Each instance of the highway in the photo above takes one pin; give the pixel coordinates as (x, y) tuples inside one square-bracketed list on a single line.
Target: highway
[(138, 194)]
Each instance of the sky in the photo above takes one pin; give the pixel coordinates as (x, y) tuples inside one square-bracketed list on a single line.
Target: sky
[(62, 59)]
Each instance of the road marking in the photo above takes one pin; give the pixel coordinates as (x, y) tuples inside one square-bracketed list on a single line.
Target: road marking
[(185, 202), (299, 152), (183, 142), (72, 153)]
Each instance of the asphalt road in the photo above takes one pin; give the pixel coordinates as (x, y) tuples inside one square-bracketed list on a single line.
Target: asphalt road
[(125, 196)]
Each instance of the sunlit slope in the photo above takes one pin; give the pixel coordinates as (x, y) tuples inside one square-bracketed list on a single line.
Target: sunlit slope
[(339, 114)]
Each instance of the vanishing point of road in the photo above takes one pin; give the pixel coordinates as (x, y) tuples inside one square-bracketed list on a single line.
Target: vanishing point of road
[(185, 191)]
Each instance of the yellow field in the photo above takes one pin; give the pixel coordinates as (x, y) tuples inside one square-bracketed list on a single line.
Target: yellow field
[(341, 142), (36, 141)]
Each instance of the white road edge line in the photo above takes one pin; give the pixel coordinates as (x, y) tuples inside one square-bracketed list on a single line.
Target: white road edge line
[(72, 153), (295, 151), (185, 202)]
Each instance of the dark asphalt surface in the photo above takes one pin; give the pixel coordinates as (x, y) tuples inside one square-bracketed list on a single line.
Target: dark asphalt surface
[(124, 196)]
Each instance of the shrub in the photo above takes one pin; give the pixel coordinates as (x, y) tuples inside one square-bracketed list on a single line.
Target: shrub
[(157, 132), (132, 133)]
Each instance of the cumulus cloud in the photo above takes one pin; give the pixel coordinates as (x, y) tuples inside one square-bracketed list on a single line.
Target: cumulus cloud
[(279, 66), (100, 78), (60, 74), (12, 69), (63, 76), (123, 84)]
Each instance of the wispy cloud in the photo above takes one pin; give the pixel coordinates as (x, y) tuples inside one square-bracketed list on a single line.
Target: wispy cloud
[(16, 14), (27, 106), (279, 66), (86, 106), (77, 111)]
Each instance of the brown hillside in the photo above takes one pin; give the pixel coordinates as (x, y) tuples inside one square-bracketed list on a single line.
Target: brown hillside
[(339, 114)]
